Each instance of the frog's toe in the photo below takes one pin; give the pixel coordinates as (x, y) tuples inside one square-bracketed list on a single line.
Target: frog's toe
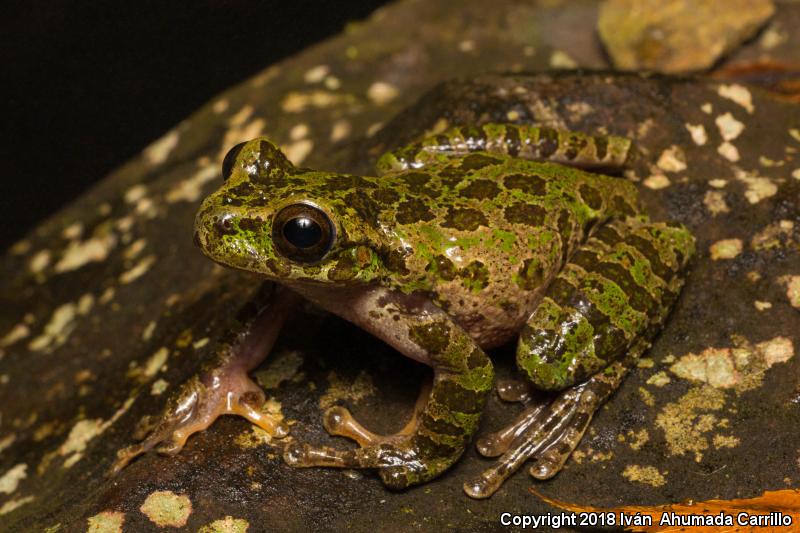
[(339, 422), (497, 443), (514, 390)]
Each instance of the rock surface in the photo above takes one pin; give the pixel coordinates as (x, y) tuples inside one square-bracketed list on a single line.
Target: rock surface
[(677, 36), (107, 306)]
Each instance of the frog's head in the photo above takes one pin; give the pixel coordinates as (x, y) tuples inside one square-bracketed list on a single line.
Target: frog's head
[(291, 224)]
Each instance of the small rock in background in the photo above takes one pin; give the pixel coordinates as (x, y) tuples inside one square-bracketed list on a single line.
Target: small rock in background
[(673, 36)]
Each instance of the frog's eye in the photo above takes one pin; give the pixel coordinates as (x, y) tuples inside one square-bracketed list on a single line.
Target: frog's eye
[(302, 233), (230, 157)]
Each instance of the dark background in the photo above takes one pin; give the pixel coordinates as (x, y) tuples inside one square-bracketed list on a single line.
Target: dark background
[(86, 85)]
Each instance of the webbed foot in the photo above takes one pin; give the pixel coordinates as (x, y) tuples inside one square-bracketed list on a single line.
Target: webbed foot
[(194, 407), (547, 432)]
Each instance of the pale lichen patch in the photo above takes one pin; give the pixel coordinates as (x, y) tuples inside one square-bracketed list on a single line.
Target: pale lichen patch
[(718, 183), (792, 284), (340, 389), (725, 441), (728, 151), (316, 74), (241, 116), (796, 174), (39, 261), (6, 442), (672, 159), (10, 480), (167, 509), (762, 306), (61, 324), (774, 235), (13, 505), (135, 193), (758, 187), (297, 102), (561, 60), (741, 368), (228, 524), (739, 94), (220, 106), (659, 379), (795, 133), (299, 131), (147, 333), (648, 475), (191, 189), (298, 151), (106, 522), (698, 133), (382, 92), (656, 182), (707, 108), (17, 333), (151, 367), (726, 249), (729, 127), (715, 202), (84, 431), (686, 421), (158, 387), (138, 270), (159, 151), (92, 250), (340, 130), (73, 231), (637, 439)]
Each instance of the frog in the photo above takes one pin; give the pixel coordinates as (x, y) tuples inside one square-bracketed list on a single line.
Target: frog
[(462, 242)]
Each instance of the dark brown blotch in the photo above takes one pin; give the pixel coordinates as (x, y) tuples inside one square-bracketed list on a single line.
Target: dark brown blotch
[(478, 161), (527, 183), (433, 337), (464, 219), (458, 398), (591, 196), (530, 275), (523, 213), (480, 189), (413, 210), (365, 207), (475, 275), (443, 267)]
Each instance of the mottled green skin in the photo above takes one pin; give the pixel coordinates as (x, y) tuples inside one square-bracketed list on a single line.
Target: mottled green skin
[(466, 252)]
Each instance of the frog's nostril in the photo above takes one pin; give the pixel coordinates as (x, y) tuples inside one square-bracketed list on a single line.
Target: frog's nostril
[(224, 225)]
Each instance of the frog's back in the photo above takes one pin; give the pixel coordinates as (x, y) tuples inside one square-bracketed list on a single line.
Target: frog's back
[(489, 232)]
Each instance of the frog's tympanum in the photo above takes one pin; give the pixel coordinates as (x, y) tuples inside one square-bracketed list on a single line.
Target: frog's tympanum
[(467, 240)]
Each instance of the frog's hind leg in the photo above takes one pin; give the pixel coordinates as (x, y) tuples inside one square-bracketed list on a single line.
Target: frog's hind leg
[(597, 316), (538, 143)]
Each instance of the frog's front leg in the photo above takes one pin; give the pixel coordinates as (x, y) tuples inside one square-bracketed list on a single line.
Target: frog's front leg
[(597, 316), (606, 152), (222, 386), (444, 420)]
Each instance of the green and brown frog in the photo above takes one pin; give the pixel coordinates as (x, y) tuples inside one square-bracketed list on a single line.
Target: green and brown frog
[(466, 241)]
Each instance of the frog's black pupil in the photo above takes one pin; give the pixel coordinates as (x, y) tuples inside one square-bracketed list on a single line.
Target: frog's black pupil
[(302, 232), (230, 157)]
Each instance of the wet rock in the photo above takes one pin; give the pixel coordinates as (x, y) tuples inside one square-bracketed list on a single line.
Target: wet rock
[(676, 36)]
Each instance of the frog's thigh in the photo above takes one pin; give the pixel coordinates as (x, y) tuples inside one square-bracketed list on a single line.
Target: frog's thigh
[(597, 316), (515, 140), (444, 420), (617, 287)]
